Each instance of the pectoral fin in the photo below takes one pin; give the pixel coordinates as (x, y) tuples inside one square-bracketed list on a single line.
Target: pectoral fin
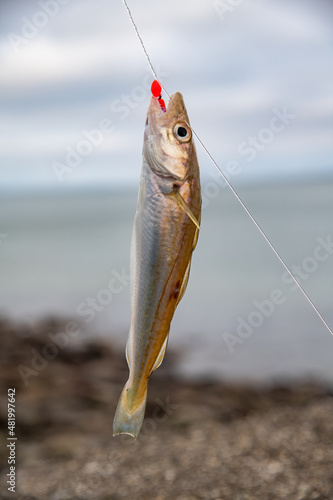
[(184, 206)]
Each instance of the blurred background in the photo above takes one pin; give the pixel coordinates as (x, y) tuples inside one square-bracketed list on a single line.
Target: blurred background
[(256, 77)]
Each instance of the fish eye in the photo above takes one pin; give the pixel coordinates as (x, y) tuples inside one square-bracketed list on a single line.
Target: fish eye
[(182, 132)]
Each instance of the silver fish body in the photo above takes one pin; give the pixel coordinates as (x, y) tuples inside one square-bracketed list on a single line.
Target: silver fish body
[(165, 233)]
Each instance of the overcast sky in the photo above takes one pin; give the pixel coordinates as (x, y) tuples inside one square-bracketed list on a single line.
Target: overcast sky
[(256, 76)]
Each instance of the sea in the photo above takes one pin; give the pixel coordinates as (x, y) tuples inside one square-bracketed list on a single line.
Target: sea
[(65, 254)]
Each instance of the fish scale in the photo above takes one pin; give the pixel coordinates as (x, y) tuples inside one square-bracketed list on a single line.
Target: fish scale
[(165, 233)]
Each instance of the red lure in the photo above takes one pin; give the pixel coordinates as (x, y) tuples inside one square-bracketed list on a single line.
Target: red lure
[(156, 90)]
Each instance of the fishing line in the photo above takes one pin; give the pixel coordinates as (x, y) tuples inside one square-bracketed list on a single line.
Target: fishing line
[(142, 45), (262, 232)]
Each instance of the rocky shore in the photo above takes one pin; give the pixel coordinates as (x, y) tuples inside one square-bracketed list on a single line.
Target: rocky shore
[(204, 440)]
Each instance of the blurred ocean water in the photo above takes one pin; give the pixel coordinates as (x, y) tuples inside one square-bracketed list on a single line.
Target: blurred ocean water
[(241, 317)]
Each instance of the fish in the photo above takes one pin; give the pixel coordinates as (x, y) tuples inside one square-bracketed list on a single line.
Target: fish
[(165, 233)]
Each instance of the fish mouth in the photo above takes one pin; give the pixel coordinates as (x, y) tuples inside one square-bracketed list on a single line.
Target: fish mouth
[(175, 111), (161, 149), (176, 101)]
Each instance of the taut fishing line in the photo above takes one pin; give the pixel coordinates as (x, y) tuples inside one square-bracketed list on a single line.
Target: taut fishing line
[(314, 307)]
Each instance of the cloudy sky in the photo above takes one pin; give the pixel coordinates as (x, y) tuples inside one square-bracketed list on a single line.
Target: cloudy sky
[(256, 76)]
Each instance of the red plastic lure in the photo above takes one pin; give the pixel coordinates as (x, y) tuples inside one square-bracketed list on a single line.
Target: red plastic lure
[(156, 90)]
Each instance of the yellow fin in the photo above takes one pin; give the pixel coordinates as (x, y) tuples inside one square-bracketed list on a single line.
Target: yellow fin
[(161, 354), (187, 271), (128, 354), (195, 239), (184, 206), (184, 283), (126, 421)]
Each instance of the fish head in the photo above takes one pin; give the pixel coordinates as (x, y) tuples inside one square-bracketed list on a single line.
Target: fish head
[(168, 140)]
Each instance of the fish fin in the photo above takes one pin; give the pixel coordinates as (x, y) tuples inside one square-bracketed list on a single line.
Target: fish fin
[(133, 263), (184, 283), (127, 351), (161, 354), (184, 206), (187, 272), (126, 421), (195, 239)]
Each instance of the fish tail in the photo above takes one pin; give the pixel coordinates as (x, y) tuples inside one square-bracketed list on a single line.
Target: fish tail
[(129, 415)]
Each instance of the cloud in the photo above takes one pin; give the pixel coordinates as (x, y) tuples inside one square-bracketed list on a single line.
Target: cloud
[(232, 74)]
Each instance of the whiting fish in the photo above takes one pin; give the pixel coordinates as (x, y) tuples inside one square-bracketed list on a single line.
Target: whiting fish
[(165, 233)]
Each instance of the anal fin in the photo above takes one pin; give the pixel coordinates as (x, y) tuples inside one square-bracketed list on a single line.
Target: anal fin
[(184, 282), (128, 354), (161, 354)]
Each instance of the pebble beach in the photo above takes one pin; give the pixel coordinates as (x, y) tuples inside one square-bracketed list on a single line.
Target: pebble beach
[(201, 439)]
